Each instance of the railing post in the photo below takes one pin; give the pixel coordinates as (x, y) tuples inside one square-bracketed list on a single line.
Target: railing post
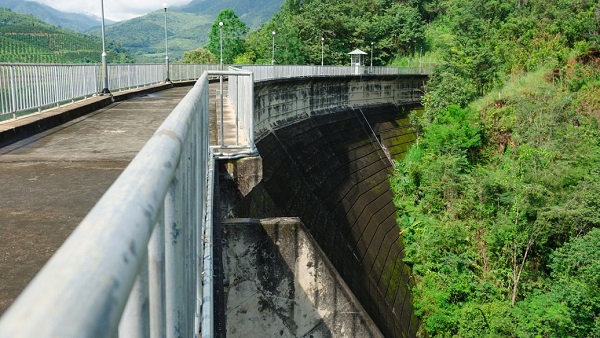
[(38, 89), (156, 272), (13, 92), (174, 259), (135, 320), (222, 121), (56, 86), (251, 112), (237, 109)]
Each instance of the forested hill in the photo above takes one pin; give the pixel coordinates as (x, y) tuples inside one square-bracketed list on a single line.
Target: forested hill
[(24, 38), (188, 26), (499, 199)]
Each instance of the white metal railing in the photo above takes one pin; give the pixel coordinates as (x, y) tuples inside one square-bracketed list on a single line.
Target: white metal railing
[(26, 88), (134, 265), (287, 71)]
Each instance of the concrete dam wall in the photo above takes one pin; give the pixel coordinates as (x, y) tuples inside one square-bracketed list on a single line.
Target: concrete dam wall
[(326, 147)]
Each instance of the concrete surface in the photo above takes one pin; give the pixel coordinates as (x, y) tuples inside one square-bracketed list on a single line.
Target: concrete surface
[(331, 172), (283, 102), (278, 283), (50, 181)]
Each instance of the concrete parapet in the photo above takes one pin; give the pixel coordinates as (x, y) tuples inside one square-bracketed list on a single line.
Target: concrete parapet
[(282, 102)]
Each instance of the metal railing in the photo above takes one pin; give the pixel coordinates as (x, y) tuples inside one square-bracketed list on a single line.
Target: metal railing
[(240, 93), (287, 71), (134, 265), (27, 88)]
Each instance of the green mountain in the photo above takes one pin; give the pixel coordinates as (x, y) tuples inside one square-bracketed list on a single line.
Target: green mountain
[(145, 36), (188, 27), (24, 38), (76, 21)]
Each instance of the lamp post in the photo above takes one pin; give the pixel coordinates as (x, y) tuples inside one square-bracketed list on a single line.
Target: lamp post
[(322, 50), (104, 64), (221, 43), (371, 57), (273, 50), (166, 44)]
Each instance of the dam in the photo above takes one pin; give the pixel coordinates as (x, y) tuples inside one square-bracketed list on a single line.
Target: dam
[(287, 231), (326, 162)]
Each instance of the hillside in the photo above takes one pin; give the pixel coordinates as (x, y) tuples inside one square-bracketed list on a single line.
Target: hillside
[(144, 36), (188, 27), (498, 200), (76, 21), (24, 38)]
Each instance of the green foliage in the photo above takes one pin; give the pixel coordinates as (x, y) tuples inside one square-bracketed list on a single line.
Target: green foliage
[(395, 29), (498, 208), (231, 36), (199, 56)]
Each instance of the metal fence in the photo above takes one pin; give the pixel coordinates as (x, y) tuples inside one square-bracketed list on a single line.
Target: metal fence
[(27, 88), (134, 266), (280, 71)]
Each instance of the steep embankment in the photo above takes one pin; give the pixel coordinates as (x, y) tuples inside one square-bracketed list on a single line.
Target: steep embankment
[(499, 206)]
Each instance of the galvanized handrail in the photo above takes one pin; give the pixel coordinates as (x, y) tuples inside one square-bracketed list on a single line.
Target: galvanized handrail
[(286, 71), (27, 88), (134, 264)]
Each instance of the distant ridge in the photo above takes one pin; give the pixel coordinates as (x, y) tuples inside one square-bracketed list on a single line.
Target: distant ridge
[(188, 26), (25, 38), (80, 22)]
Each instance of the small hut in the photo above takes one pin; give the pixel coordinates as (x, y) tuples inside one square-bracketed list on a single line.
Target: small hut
[(357, 60)]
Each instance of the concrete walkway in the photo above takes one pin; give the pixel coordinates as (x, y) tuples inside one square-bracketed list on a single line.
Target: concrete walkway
[(49, 182)]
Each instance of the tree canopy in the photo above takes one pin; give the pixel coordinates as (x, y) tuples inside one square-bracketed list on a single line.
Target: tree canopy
[(231, 34), (498, 200)]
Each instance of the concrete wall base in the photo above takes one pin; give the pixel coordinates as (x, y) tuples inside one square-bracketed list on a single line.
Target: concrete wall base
[(278, 283)]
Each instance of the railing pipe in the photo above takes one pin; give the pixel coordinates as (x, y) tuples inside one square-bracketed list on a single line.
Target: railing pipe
[(60, 83)]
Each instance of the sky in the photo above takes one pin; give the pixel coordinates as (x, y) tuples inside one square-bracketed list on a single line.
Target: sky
[(115, 10)]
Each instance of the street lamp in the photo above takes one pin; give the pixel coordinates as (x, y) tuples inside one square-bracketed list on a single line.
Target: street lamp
[(166, 44), (371, 57), (273, 53), (104, 64), (322, 50), (221, 43)]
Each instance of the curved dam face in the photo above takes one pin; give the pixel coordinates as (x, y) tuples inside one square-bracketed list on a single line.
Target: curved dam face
[(326, 147)]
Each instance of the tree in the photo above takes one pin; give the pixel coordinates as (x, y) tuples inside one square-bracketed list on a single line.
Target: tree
[(233, 32), (199, 56)]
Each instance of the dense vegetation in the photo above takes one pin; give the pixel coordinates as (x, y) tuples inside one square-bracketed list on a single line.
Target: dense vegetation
[(391, 28), (24, 38), (499, 199)]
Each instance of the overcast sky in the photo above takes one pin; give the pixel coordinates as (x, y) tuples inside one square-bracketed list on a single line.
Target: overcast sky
[(116, 10)]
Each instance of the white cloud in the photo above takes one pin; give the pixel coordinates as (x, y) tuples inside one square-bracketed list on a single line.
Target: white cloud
[(116, 10)]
